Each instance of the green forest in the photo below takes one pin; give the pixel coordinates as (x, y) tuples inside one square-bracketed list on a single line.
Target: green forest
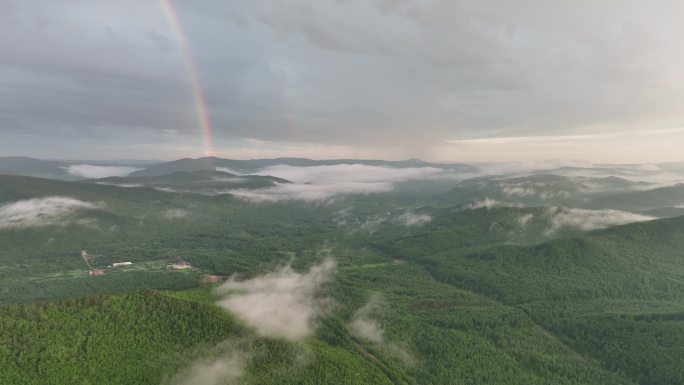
[(472, 296)]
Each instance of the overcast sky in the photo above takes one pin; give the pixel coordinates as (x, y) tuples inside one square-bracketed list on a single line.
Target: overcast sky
[(452, 80)]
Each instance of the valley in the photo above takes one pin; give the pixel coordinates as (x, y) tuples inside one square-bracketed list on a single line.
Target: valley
[(476, 291)]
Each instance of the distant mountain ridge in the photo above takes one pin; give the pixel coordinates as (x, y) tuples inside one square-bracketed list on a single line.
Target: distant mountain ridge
[(253, 165), (539, 189), (60, 169), (644, 200), (183, 176), (21, 165)]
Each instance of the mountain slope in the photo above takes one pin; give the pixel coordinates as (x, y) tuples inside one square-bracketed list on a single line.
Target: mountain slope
[(150, 338), (123, 339), (612, 294), (436, 335)]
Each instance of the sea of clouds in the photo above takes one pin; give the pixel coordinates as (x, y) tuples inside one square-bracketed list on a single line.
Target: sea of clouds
[(322, 183)]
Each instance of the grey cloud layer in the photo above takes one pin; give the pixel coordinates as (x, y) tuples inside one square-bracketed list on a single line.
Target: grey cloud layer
[(369, 73)]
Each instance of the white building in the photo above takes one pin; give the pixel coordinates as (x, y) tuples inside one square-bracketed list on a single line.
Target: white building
[(117, 264)]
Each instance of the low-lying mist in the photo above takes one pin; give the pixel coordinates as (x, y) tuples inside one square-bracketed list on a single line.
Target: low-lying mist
[(224, 366), (283, 303), (90, 171), (322, 183), (39, 212), (366, 327), (587, 220)]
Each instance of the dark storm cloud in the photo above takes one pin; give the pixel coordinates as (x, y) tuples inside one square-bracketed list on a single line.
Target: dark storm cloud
[(339, 73)]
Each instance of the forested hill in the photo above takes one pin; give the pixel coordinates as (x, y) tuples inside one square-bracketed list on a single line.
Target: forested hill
[(151, 337), (127, 339), (639, 260), (615, 295), (438, 335)]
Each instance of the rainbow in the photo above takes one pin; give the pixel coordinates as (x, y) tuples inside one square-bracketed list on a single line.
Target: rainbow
[(195, 81)]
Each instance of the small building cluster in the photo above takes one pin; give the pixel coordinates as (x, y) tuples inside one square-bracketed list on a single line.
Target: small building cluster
[(180, 265)]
